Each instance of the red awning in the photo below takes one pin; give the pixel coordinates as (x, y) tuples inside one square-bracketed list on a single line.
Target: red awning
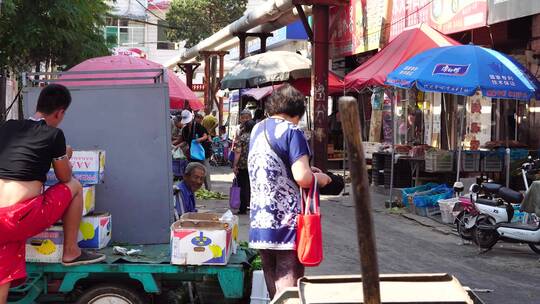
[(407, 44), (178, 91)]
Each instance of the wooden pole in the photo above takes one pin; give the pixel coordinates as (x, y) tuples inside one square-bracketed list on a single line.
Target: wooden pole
[(350, 120)]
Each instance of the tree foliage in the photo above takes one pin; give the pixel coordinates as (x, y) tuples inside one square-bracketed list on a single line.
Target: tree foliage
[(195, 20), (51, 32)]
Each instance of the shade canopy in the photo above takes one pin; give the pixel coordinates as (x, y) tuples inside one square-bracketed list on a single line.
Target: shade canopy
[(178, 91), (269, 67), (464, 70), (410, 42), (335, 86)]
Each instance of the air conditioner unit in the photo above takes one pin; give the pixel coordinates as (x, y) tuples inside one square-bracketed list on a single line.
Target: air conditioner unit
[(533, 57)]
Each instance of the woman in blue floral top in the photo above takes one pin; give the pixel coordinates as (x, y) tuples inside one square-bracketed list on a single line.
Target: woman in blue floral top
[(278, 165)]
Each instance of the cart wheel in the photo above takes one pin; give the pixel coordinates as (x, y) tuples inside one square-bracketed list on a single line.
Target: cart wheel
[(111, 294)]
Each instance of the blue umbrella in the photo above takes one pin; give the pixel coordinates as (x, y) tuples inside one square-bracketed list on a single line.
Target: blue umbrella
[(464, 69)]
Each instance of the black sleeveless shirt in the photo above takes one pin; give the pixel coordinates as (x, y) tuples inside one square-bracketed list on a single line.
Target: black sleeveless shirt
[(27, 148)]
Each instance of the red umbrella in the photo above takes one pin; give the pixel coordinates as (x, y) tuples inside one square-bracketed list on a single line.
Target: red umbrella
[(407, 44), (178, 91)]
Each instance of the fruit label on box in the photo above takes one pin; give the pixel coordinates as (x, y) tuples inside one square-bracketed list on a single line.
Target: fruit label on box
[(88, 167), (89, 199), (46, 247), (95, 231)]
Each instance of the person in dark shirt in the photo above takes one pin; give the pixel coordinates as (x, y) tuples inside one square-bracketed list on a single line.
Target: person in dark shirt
[(240, 166), (193, 130), (27, 150)]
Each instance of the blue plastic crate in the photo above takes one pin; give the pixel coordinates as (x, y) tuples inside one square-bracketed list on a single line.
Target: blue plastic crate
[(406, 192)]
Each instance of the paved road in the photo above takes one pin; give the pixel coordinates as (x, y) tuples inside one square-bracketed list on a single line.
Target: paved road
[(405, 246)]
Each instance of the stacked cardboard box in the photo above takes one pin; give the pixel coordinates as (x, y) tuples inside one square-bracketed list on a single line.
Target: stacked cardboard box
[(95, 228), (203, 239)]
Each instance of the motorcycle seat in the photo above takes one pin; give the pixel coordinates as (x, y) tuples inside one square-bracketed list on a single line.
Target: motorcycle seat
[(519, 226), (510, 196), (491, 187), (483, 201)]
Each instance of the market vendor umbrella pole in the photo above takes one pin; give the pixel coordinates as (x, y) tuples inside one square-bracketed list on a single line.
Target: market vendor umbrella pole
[(393, 152), (460, 141), (350, 119)]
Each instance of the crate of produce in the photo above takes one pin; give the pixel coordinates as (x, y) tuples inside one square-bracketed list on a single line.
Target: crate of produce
[(515, 154), (439, 161), (406, 192), (447, 206), (425, 203), (492, 162), (470, 161)]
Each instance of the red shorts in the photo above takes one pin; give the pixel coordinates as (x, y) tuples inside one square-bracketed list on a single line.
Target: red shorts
[(24, 220)]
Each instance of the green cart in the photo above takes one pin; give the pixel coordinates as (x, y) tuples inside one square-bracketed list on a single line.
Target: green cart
[(148, 278)]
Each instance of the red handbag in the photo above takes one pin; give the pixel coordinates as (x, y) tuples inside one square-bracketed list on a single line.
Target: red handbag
[(309, 243)]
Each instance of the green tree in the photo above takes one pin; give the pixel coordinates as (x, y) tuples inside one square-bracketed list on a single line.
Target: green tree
[(53, 33), (195, 20)]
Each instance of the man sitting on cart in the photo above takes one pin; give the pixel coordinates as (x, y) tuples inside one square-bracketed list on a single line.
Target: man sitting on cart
[(194, 176), (27, 149)]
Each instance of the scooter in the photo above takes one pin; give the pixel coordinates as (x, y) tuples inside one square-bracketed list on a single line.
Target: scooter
[(488, 232), (486, 199)]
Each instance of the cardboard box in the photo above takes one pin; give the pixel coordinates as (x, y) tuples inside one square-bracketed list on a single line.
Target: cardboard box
[(88, 168), (46, 247), (89, 198), (201, 239), (95, 231)]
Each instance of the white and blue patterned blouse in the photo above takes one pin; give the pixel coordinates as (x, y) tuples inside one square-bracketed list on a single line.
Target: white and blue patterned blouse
[(275, 196)]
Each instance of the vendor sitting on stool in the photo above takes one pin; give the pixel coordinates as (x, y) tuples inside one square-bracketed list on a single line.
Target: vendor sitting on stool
[(194, 176)]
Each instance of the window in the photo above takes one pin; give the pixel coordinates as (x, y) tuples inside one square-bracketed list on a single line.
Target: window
[(124, 33), (163, 43)]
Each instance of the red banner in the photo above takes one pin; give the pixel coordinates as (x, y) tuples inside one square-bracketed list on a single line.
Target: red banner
[(447, 16), (357, 28)]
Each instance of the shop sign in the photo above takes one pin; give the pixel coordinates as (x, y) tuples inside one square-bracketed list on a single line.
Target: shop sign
[(358, 27), (447, 16), (503, 10), (478, 121)]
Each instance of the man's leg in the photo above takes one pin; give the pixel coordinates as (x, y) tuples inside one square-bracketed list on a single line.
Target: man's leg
[(207, 181), (245, 191), (4, 290), (72, 220)]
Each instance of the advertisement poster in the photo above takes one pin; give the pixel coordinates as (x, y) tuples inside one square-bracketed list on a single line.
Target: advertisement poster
[(447, 16), (357, 28), (478, 122)]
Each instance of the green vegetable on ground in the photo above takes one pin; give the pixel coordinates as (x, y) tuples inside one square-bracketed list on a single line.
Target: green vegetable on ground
[(203, 194)]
